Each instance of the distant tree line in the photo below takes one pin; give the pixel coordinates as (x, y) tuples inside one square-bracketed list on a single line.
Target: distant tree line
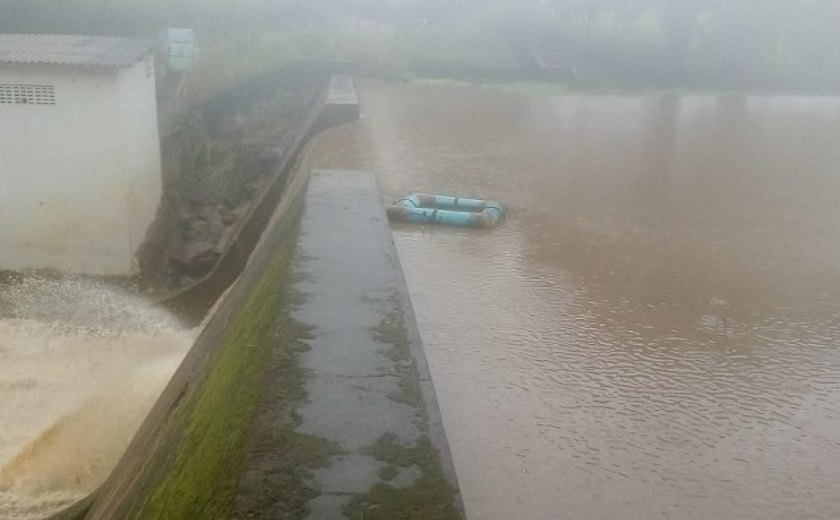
[(751, 43), (741, 42), (793, 44)]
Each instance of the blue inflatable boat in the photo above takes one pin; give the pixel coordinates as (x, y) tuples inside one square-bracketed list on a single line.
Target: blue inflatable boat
[(420, 208)]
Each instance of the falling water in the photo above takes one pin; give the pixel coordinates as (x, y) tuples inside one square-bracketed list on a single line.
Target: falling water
[(81, 363)]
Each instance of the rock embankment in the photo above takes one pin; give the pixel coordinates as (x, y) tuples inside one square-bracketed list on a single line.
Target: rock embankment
[(218, 157)]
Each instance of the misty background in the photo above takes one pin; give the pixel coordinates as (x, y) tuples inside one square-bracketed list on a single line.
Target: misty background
[(759, 45)]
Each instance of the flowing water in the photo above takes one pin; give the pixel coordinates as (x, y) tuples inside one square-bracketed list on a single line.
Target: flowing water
[(655, 330), (80, 366)]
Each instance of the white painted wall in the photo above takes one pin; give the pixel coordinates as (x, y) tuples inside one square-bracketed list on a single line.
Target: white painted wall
[(141, 148), (80, 180)]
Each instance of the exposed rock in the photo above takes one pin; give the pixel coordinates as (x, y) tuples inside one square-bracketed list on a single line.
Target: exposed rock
[(218, 158), (197, 258)]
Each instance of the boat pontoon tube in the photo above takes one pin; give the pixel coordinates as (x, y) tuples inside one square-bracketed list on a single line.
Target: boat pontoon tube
[(420, 208)]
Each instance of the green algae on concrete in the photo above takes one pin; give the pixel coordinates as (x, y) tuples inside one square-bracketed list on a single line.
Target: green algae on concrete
[(201, 481), (429, 497), (392, 331), (369, 382), (278, 460)]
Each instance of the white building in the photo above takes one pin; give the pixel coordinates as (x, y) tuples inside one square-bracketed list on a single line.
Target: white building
[(80, 177)]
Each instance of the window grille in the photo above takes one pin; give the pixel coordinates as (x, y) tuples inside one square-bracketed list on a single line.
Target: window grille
[(19, 94)]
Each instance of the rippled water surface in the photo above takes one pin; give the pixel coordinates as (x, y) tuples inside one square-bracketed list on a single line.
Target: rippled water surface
[(655, 330)]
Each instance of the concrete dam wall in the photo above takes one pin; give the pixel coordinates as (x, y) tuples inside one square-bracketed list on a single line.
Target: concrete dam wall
[(256, 422)]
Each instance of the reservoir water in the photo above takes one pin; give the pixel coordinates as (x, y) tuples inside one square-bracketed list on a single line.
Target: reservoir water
[(655, 330)]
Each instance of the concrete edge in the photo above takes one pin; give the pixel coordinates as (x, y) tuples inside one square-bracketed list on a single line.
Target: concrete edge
[(437, 432)]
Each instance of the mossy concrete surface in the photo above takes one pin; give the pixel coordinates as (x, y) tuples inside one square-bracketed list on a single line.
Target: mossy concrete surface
[(201, 478), (428, 496), (307, 395), (273, 482), (194, 471), (187, 457), (368, 388)]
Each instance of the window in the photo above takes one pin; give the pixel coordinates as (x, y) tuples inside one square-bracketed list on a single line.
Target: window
[(11, 94)]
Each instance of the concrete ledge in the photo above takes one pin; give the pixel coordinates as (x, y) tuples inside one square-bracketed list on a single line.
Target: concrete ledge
[(369, 392), (342, 103)]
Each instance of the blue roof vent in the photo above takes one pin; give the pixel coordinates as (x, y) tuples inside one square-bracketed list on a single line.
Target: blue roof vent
[(183, 49)]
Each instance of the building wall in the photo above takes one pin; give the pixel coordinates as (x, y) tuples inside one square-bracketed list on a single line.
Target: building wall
[(141, 149), (80, 179)]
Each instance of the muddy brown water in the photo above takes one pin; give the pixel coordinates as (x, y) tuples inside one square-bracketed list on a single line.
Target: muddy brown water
[(81, 364), (655, 330)]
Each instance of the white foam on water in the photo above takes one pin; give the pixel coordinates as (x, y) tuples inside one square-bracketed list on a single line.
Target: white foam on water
[(81, 364)]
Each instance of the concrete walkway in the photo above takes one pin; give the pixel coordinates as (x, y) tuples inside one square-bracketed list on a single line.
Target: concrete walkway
[(368, 386)]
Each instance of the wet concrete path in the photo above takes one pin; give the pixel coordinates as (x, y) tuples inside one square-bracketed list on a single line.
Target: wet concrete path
[(368, 387)]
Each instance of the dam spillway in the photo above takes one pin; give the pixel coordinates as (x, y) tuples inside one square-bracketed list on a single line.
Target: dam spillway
[(307, 394)]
